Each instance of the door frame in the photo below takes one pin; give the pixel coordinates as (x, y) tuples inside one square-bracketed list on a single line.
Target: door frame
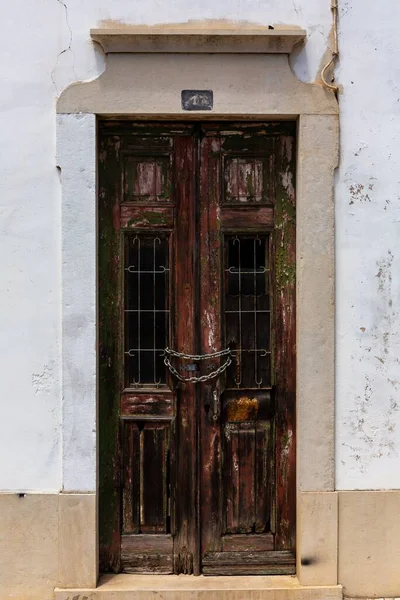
[(316, 111)]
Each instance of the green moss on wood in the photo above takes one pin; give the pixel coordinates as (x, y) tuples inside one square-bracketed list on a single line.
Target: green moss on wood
[(285, 225), (148, 218)]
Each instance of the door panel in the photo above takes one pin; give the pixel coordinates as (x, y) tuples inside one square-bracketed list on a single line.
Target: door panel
[(197, 254), (254, 231), (247, 458), (146, 477), (239, 476), (154, 462), (131, 478), (146, 179)]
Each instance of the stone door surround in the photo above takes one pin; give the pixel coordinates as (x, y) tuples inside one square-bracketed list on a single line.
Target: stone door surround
[(248, 71)]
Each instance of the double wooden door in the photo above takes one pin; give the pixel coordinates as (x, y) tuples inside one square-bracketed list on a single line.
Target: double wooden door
[(197, 347)]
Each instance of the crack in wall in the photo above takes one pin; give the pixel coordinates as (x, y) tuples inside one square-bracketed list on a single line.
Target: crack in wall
[(297, 9), (67, 49)]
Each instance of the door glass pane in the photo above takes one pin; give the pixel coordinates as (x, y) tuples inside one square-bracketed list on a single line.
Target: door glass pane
[(146, 309), (247, 311)]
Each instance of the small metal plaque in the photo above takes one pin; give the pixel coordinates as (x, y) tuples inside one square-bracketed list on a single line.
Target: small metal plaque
[(197, 99)]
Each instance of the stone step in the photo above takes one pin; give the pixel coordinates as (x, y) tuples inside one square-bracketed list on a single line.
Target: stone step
[(187, 587)]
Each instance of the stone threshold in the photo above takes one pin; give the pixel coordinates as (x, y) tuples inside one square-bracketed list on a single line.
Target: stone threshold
[(187, 587)]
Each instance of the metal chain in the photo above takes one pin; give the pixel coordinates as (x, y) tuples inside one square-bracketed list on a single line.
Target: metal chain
[(202, 378), (197, 356)]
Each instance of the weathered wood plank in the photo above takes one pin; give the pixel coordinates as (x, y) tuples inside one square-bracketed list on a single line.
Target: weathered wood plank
[(242, 130), (254, 218), (249, 563), (264, 476), (231, 477), (210, 249), (154, 484), (240, 484), (110, 340), (146, 543), (260, 542), (151, 564), (142, 135), (283, 557), (284, 328), (146, 554), (185, 484), (148, 405), (131, 482), (247, 453), (132, 217)]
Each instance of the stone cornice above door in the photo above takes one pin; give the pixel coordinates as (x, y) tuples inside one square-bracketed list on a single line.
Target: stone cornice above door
[(188, 40)]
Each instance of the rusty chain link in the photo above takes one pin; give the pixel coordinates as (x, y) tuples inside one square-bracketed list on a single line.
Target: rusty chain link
[(201, 378)]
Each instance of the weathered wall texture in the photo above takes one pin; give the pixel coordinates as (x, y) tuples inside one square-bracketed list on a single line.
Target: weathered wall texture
[(37, 67), (368, 249), (46, 47)]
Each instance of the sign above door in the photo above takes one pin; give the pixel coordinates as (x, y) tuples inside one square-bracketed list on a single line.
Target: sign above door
[(197, 99)]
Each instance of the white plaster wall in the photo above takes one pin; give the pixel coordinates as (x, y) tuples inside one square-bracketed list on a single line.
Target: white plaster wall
[(46, 46), (368, 248), (29, 250), (76, 158)]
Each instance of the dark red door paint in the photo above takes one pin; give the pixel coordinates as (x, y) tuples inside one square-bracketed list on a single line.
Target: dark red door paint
[(197, 255)]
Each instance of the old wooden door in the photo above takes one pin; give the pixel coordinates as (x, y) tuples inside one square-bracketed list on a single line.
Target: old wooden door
[(197, 348)]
